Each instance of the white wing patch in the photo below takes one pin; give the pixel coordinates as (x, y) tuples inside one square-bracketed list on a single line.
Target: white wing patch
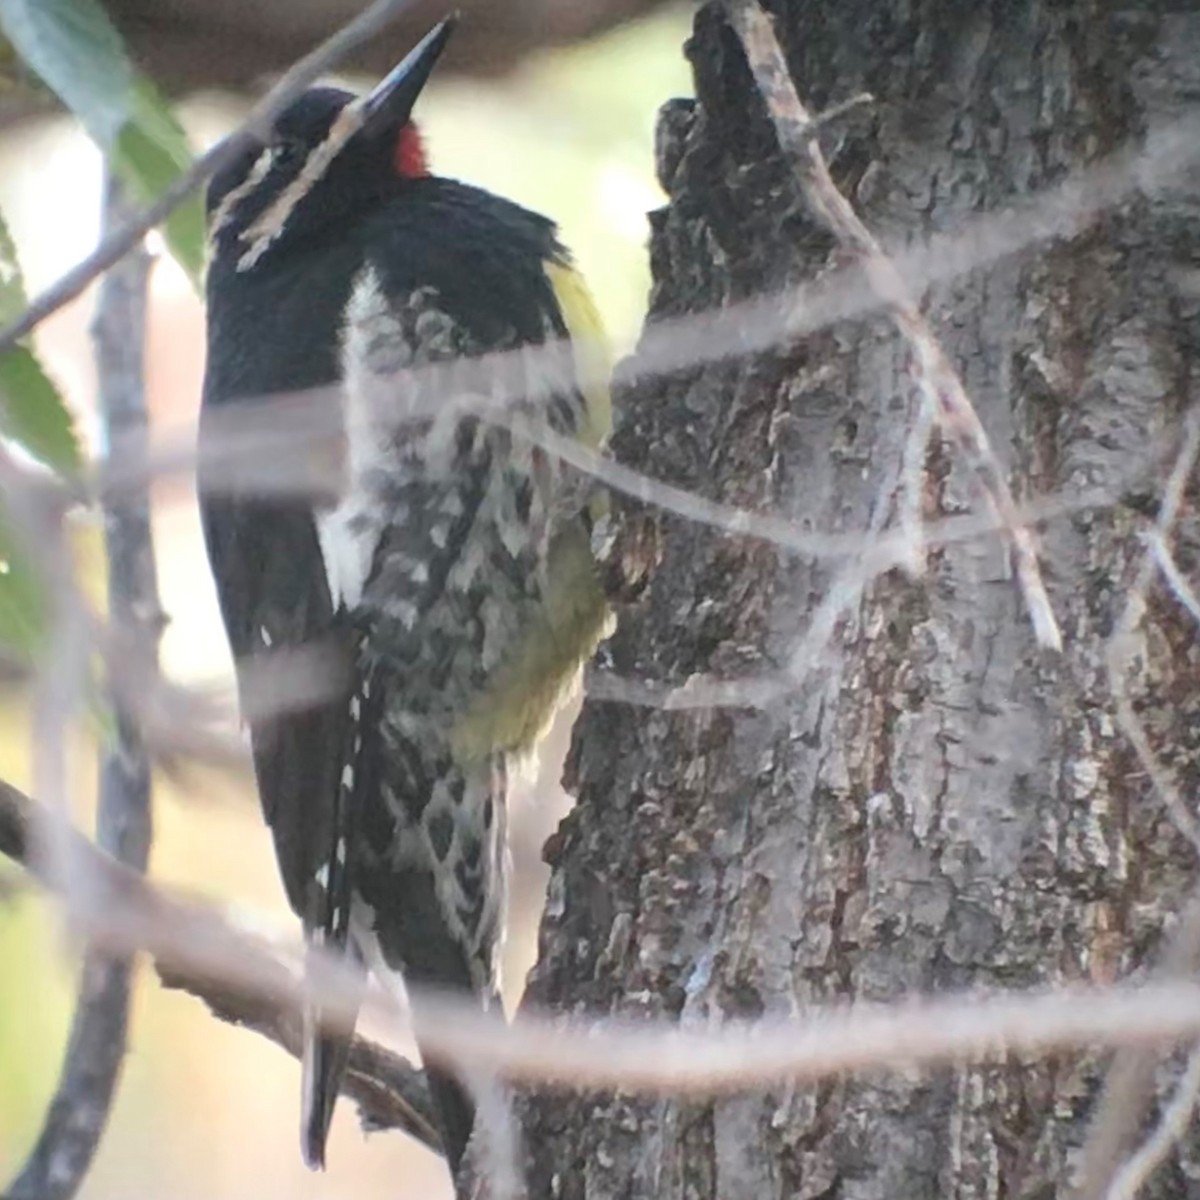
[(346, 550), (374, 346)]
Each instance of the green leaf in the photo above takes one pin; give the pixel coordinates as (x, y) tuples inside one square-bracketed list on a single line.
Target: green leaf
[(32, 412), (33, 415), (78, 53), (12, 286), (149, 153), (73, 46), (22, 602)]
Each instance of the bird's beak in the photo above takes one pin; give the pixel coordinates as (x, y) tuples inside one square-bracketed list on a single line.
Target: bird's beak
[(390, 104)]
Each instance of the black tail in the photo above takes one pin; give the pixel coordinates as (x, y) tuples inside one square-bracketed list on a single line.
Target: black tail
[(324, 1056), (324, 1062), (413, 937), (327, 927), (456, 1114)]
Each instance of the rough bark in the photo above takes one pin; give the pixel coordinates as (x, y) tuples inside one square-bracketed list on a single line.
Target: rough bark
[(938, 805)]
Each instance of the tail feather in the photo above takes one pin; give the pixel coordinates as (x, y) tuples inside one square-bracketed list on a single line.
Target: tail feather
[(324, 1055), (414, 943), (456, 1113), (327, 927), (324, 1060)]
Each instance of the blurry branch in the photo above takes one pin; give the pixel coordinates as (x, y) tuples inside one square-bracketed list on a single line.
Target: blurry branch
[(1172, 575), (929, 364), (60, 687), (1129, 1083), (1162, 1139), (873, 554), (243, 978), (287, 443), (196, 942), (390, 1092), (180, 722), (1130, 1078), (1123, 645), (80, 1108), (119, 241)]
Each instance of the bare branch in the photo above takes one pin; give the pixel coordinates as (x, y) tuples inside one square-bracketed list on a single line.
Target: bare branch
[(242, 979), (115, 245), (1122, 646), (655, 1057), (1172, 575), (873, 554), (1176, 1117), (390, 1092), (36, 510), (930, 365), (1130, 1079), (83, 1099)]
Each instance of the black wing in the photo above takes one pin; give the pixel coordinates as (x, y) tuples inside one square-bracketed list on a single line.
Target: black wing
[(276, 332), (274, 598)]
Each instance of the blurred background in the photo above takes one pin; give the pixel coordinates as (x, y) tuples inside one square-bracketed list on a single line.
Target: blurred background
[(206, 1110)]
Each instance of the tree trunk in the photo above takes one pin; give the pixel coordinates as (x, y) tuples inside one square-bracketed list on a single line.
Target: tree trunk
[(933, 803)]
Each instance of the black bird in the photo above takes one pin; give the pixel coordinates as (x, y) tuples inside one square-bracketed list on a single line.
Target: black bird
[(451, 574)]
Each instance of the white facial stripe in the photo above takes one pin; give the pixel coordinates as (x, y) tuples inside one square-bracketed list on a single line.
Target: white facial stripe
[(270, 224), (255, 176)]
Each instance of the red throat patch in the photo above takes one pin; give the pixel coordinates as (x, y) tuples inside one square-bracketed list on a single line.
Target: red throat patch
[(408, 157)]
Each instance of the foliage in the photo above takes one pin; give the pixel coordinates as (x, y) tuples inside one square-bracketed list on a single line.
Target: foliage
[(75, 50), (73, 47), (33, 417)]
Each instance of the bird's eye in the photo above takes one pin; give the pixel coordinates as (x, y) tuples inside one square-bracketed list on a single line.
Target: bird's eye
[(287, 153)]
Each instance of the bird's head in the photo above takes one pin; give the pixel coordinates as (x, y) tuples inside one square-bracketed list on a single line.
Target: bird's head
[(331, 156)]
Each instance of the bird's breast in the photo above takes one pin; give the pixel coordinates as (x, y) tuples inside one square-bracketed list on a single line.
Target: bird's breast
[(465, 554)]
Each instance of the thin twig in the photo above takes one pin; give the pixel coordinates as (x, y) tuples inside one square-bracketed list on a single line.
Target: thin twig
[(35, 515), (1172, 575), (79, 1111), (262, 448), (120, 241), (1176, 1117), (1122, 646), (872, 555), (60, 686), (390, 1092), (932, 368), (1130, 1079)]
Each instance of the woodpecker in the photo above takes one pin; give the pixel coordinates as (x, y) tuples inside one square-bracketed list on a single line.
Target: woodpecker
[(451, 573)]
